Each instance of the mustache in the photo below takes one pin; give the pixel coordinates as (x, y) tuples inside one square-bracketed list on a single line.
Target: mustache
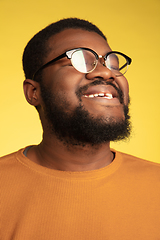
[(80, 92)]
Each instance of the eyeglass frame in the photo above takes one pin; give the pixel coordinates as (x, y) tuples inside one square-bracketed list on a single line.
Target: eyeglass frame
[(69, 56)]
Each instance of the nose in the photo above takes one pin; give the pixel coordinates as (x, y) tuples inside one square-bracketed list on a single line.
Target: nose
[(101, 72)]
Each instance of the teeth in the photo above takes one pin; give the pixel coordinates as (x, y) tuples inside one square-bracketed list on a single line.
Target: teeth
[(91, 96), (107, 95), (101, 94)]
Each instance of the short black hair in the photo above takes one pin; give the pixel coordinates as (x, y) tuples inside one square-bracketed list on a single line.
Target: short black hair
[(36, 49)]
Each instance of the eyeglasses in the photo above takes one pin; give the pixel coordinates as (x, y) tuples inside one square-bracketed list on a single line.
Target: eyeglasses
[(85, 60)]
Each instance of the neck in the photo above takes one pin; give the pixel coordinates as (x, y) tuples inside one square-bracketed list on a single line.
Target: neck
[(54, 154)]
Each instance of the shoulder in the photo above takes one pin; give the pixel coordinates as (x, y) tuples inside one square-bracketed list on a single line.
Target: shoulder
[(11, 158), (137, 166), (7, 157), (136, 160)]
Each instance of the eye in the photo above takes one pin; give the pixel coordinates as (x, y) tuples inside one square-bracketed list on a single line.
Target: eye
[(112, 62), (114, 68)]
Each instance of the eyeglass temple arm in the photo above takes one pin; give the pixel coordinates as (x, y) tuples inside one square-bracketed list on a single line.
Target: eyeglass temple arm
[(129, 60), (123, 66), (45, 65)]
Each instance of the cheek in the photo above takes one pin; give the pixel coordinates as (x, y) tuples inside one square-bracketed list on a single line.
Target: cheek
[(124, 86), (63, 82)]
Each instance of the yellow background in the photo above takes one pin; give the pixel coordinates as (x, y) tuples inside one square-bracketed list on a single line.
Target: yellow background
[(131, 27)]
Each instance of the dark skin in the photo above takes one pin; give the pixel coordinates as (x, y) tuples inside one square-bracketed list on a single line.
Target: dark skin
[(63, 80)]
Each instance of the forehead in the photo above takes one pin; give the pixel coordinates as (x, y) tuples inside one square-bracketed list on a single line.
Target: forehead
[(74, 38)]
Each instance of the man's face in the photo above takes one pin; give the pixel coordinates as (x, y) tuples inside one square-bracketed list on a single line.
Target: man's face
[(78, 106)]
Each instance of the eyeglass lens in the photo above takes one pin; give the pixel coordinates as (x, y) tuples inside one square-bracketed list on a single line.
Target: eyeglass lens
[(85, 61)]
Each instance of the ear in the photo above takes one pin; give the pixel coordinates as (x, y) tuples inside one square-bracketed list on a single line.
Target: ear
[(32, 92)]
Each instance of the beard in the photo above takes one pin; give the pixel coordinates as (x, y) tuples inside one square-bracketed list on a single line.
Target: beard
[(80, 127)]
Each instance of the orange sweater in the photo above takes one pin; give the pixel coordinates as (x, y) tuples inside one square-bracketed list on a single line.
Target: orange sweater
[(118, 202)]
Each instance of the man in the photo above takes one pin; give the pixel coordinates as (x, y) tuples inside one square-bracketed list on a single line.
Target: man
[(72, 185)]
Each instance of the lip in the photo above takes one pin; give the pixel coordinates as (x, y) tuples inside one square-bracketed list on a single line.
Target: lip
[(107, 90), (104, 101)]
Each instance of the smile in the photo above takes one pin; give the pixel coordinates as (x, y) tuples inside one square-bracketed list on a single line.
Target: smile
[(101, 95)]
